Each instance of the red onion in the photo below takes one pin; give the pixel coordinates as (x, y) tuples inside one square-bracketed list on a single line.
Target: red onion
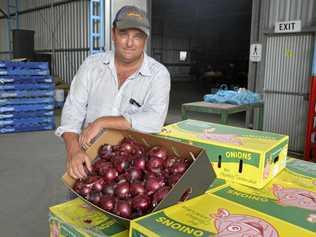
[(139, 163), (153, 184), (123, 209), (154, 164), (173, 179), (94, 198), (105, 152), (159, 195), (100, 165), (134, 174), (121, 179), (141, 202), (158, 151), (107, 203), (170, 161), (178, 168), (109, 175), (108, 189), (122, 190), (137, 189), (121, 164)]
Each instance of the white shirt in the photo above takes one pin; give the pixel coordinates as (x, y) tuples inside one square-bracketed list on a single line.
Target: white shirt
[(94, 93)]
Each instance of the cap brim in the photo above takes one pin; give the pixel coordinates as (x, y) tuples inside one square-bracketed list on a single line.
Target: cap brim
[(121, 25)]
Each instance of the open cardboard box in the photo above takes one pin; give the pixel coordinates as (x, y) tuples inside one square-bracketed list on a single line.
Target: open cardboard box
[(194, 182)]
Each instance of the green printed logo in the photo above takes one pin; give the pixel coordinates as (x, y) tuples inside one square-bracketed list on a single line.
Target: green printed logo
[(238, 155), (179, 227), (165, 226)]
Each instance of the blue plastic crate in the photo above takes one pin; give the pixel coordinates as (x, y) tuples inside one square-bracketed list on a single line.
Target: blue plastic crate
[(26, 93), (31, 107), (26, 86), (25, 79), (26, 114), (31, 128), (23, 68), (24, 122), (19, 101)]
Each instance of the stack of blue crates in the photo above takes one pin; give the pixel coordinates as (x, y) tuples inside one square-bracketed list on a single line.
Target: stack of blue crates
[(26, 97)]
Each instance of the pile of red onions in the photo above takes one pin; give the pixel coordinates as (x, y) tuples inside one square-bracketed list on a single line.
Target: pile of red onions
[(129, 180)]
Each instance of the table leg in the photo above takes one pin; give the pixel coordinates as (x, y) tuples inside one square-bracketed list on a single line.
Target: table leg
[(183, 113), (258, 118), (224, 118)]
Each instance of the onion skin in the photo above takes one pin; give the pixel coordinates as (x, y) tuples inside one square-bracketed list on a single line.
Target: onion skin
[(134, 174), (141, 202), (139, 163), (159, 195), (158, 151), (153, 184), (123, 209), (154, 164), (122, 190), (137, 189), (110, 175), (105, 152), (107, 203)]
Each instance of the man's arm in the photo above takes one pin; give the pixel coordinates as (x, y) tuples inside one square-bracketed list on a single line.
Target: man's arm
[(117, 122), (76, 157)]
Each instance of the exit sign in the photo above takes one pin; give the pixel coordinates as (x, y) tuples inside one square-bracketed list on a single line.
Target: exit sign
[(287, 26)]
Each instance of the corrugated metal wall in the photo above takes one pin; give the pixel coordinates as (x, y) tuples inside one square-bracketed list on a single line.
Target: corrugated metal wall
[(62, 29), (288, 68), (283, 74)]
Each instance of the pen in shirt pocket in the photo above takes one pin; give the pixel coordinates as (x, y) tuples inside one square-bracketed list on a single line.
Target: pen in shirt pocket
[(134, 102)]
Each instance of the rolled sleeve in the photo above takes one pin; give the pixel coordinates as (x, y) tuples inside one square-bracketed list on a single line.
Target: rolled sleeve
[(151, 116), (75, 108)]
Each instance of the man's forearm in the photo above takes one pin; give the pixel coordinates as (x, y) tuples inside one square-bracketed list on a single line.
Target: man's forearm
[(71, 143), (116, 122)]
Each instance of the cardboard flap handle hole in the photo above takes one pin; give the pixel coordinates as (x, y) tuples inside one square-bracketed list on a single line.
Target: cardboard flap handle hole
[(185, 195)]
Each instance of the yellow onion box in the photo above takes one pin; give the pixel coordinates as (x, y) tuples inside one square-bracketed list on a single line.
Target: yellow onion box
[(291, 196), (77, 218), (246, 156), (209, 215)]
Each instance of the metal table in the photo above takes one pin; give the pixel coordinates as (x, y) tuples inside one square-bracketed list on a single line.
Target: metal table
[(224, 110)]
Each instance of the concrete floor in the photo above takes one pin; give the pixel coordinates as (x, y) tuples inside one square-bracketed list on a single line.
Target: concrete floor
[(32, 164)]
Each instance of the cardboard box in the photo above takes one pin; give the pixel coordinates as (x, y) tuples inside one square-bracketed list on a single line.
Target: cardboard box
[(196, 179), (246, 156), (77, 218), (208, 215), (291, 196)]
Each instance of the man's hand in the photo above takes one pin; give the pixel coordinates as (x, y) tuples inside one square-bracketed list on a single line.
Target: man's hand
[(89, 133), (76, 163)]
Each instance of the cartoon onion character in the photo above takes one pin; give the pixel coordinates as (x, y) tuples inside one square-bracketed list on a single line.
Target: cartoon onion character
[(294, 197), (210, 134), (228, 225)]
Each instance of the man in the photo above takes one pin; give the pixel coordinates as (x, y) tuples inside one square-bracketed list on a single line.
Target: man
[(122, 90)]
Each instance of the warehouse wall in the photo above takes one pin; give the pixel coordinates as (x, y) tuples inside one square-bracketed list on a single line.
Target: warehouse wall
[(283, 74), (60, 30)]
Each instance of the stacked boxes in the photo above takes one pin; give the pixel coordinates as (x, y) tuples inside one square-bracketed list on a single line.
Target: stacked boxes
[(241, 155), (26, 97), (208, 215)]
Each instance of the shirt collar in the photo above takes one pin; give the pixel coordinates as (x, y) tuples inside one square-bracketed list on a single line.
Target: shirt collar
[(144, 69)]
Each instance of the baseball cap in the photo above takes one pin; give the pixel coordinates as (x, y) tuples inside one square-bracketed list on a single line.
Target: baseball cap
[(132, 17)]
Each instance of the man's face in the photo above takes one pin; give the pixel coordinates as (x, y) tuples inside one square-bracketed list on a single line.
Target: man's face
[(129, 44)]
